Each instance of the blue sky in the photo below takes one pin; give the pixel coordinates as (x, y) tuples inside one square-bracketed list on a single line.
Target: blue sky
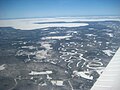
[(56, 8)]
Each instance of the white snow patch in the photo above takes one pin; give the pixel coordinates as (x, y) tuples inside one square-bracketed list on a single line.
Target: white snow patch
[(53, 32), (108, 52), (56, 37), (37, 23), (42, 54), (57, 82), (110, 34), (100, 71), (46, 45), (40, 73), (84, 74), (77, 65), (28, 47), (30, 24), (90, 35), (2, 67), (44, 84)]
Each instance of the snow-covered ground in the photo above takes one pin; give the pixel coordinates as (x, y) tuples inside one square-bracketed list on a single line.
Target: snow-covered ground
[(30, 24), (28, 47), (96, 65), (110, 34), (57, 82), (36, 23), (2, 67), (84, 74), (42, 54), (108, 52), (46, 45), (40, 73), (56, 37), (90, 35)]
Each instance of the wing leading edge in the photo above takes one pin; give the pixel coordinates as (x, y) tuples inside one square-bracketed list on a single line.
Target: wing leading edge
[(110, 78)]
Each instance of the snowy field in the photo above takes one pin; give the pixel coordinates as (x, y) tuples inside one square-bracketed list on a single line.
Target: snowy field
[(32, 23), (2, 67), (56, 37)]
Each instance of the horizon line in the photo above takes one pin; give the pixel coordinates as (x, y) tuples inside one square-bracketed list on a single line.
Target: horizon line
[(54, 16)]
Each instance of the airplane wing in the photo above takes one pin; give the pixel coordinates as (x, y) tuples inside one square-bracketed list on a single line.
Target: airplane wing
[(110, 78)]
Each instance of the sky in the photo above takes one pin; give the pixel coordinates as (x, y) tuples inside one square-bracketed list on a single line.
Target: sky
[(57, 8)]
